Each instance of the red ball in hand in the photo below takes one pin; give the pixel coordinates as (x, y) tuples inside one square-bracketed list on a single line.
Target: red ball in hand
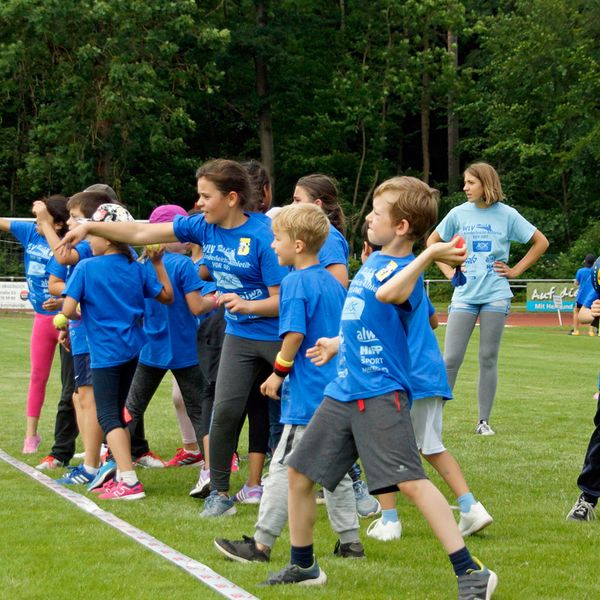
[(461, 241)]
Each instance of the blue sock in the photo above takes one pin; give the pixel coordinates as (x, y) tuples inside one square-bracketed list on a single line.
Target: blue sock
[(462, 561), (303, 556), (465, 502), (389, 516), (354, 472)]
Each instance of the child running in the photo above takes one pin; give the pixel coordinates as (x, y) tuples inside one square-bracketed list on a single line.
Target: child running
[(110, 289), (366, 408), (430, 391), (237, 251), (44, 336), (300, 231)]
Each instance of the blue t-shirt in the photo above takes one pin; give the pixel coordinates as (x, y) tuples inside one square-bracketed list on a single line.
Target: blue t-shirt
[(584, 279), (335, 249), (36, 255), (589, 298), (77, 334), (171, 328), (111, 292), (240, 260), (373, 358), (311, 304), (428, 373), (488, 233)]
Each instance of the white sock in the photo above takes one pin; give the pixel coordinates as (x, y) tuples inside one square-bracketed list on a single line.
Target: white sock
[(129, 477), (90, 470)]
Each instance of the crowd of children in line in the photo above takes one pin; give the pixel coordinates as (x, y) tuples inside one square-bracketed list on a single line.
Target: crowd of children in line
[(258, 323)]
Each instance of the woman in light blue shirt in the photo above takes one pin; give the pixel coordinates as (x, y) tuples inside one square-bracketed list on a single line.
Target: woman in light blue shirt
[(488, 227)]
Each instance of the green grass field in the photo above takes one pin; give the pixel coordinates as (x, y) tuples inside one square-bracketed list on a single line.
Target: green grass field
[(525, 476)]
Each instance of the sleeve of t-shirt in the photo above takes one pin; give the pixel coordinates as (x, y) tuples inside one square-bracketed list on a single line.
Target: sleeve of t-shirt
[(190, 229), (75, 287), (55, 268), (22, 230), (430, 307), (84, 250), (521, 230), (448, 226), (188, 277), (151, 285), (292, 307), (335, 250)]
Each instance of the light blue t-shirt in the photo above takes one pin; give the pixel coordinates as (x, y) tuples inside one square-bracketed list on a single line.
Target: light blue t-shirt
[(373, 357), (240, 260), (36, 256), (311, 304), (428, 373), (584, 279), (488, 233), (111, 291), (171, 328)]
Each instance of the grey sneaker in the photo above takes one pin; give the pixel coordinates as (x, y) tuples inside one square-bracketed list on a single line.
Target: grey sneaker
[(217, 506), (366, 505), (243, 551), (477, 584), (295, 574), (582, 511), (484, 429), (349, 550)]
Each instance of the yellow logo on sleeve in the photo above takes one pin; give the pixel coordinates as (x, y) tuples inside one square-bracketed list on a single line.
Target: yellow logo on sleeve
[(244, 247)]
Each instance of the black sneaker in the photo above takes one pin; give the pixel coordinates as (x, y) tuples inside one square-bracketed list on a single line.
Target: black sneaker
[(295, 574), (477, 584), (349, 550), (582, 511), (244, 551)]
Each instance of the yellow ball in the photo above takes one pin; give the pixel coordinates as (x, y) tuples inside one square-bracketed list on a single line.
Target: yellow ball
[(60, 321), (153, 247)]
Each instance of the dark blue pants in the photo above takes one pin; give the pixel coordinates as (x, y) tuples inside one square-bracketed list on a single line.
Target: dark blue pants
[(589, 478)]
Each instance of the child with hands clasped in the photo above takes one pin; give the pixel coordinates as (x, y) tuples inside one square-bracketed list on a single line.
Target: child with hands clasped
[(365, 411), (110, 289), (311, 302)]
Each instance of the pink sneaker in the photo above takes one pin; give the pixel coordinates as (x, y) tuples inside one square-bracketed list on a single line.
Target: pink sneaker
[(122, 491), (185, 458), (31, 444), (235, 463), (105, 488)]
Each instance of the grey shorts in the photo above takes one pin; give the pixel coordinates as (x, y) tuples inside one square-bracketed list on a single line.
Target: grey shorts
[(378, 430)]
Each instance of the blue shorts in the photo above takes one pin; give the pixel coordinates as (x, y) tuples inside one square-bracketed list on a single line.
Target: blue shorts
[(497, 306), (83, 372)]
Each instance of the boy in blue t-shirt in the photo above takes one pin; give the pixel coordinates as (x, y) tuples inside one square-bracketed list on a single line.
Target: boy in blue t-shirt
[(366, 410), (584, 284), (311, 301)]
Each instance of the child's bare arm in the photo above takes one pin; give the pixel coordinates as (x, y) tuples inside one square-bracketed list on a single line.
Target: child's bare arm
[(323, 350), (166, 294), (399, 288), (446, 270), (291, 343)]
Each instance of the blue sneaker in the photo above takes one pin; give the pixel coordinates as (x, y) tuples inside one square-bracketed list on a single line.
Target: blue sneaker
[(218, 506), (295, 574), (76, 475), (366, 505), (107, 470)]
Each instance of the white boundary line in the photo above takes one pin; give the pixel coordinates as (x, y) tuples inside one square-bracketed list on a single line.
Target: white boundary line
[(196, 569)]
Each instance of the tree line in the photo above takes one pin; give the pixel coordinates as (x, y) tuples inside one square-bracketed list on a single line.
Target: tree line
[(137, 93)]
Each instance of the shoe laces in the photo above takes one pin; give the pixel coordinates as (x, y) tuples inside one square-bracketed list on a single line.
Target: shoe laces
[(583, 508)]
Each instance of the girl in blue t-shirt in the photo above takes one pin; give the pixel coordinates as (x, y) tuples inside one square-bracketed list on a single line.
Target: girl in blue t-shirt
[(583, 280), (111, 288), (488, 227), (237, 251), (44, 336)]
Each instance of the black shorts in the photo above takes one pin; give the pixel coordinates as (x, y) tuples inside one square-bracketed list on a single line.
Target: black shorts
[(378, 430), (83, 371)]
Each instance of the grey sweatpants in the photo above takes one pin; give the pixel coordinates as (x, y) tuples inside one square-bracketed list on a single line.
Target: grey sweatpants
[(273, 512)]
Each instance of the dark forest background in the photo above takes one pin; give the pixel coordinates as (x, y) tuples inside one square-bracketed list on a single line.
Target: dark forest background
[(137, 93)]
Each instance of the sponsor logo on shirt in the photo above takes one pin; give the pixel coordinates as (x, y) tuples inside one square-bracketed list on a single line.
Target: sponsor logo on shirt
[(386, 271), (365, 335), (244, 247), (482, 246)]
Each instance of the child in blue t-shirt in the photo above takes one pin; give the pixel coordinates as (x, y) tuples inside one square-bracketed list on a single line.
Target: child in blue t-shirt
[(305, 316), (430, 392), (366, 408), (110, 289), (584, 284), (44, 337), (238, 254), (488, 226)]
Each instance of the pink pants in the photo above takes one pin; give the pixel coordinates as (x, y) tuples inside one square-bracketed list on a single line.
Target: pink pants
[(44, 338)]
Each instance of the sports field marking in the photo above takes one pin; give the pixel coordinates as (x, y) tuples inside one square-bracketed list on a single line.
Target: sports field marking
[(196, 569)]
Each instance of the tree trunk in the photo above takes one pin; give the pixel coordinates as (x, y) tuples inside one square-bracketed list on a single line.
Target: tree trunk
[(425, 115), (265, 121), (453, 156)]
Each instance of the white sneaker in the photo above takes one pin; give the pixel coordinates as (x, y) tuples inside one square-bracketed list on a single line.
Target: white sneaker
[(484, 429), (384, 531), (149, 460), (202, 487), (475, 520)]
